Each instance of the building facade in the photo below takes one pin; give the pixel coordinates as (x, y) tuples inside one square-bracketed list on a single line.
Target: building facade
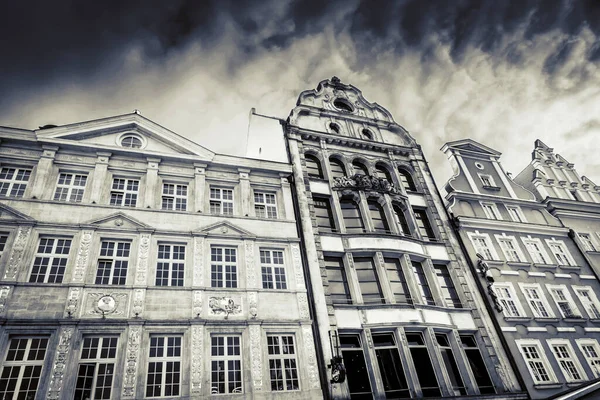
[(138, 264), (537, 283), (393, 298)]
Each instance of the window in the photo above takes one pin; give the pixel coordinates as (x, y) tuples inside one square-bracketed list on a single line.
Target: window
[(113, 262), (343, 105), (226, 364), (265, 205), (272, 269), (132, 142), (337, 168), (282, 362), (491, 211), (535, 250), (22, 367), (351, 215), (367, 280), (164, 366), (407, 181), (397, 280), (3, 239), (170, 264), (357, 376), (401, 220), (223, 268), (221, 201), (482, 246), (174, 197), (334, 127), (480, 372), (510, 248), (588, 299), (96, 368), (338, 284), (450, 363), (586, 241), (590, 350), (323, 214), (382, 172), (536, 361), (124, 192), (13, 181), (366, 134), (423, 367), (560, 252), (508, 298), (487, 180), (423, 225), (50, 260), (390, 366), (359, 168), (515, 214), (447, 286), (569, 365), (313, 167), (378, 218), (564, 301), (537, 301), (70, 187), (421, 279)]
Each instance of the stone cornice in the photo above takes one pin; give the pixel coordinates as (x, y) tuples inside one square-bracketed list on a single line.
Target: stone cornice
[(509, 226), (459, 195), (572, 207)]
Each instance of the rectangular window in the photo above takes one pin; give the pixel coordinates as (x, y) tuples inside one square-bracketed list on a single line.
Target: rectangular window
[(367, 280), (164, 366), (423, 225), (22, 367), (338, 284), (265, 205), (535, 250), (3, 240), (482, 246), (13, 181), (113, 263), (458, 386), (569, 365), (223, 267), (390, 366), (586, 240), (423, 366), (491, 211), (537, 364), (323, 214), (124, 192), (515, 214), (96, 370), (564, 301), (221, 201), (591, 351), (447, 286), (272, 269), (70, 187), (397, 280), (170, 264), (174, 197), (50, 260), (357, 376), (537, 301), (487, 180), (422, 283), (509, 248), (282, 363), (226, 364), (588, 299), (480, 372), (507, 297), (560, 252)]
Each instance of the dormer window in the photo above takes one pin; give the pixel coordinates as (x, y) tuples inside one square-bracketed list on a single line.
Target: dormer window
[(334, 127), (343, 105), (131, 141)]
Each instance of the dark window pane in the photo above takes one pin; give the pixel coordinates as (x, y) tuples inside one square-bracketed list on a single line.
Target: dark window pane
[(323, 214), (337, 168), (378, 217), (313, 167), (423, 224), (477, 365), (448, 290), (352, 216), (397, 281), (357, 374), (367, 280), (338, 284), (407, 180)]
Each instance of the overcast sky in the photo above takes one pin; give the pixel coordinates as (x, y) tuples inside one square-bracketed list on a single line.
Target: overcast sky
[(501, 72)]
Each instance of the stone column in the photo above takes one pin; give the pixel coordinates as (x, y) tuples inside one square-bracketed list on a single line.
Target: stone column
[(151, 182), (200, 187), (42, 174), (100, 176)]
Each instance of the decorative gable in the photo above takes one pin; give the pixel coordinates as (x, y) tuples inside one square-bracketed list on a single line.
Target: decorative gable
[(119, 220), (225, 229), (471, 146), (8, 213)]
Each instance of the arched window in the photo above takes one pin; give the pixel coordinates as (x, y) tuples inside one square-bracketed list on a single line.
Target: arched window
[(351, 215), (366, 134), (377, 214), (337, 168), (334, 127), (401, 220), (131, 141), (407, 180), (382, 172), (313, 167), (359, 168)]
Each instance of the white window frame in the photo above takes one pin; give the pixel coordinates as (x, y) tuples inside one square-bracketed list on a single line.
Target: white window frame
[(491, 211), (556, 291), (501, 290), (591, 303), (516, 214), (535, 303), (483, 177), (114, 258), (173, 263), (127, 195), (221, 267), (586, 240), (98, 360), (53, 261), (541, 357), (562, 360), (3, 240), (509, 253), (475, 236), (272, 268), (14, 187), (262, 207), (226, 357), (559, 250), (593, 360), (22, 365), (282, 356), (73, 193), (163, 360), (528, 242), (218, 200), (177, 194)]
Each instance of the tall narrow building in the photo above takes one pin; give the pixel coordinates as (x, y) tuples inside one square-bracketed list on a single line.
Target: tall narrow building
[(398, 312), (538, 285)]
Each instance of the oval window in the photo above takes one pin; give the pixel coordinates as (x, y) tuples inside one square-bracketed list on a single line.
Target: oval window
[(131, 142), (343, 105), (367, 134)]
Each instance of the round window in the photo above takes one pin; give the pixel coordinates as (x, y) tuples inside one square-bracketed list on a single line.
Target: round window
[(343, 105), (334, 127), (367, 134), (479, 165), (131, 142)]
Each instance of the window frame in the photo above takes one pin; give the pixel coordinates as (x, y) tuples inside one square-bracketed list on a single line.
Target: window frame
[(508, 252), (173, 275), (98, 360), (575, 313), (226, 358), (163, 361), (491, 211), (318, 166), (536, 253), (174, 201), (271, 265), (329, 210), (532, 301), (516, 302), (114, 259), (423, 285), (74, 193), (343, 281), (23, 383), (406, 180), (424, 225), (130, 196), (233, 272), (563, 251), (593, 361), (541, 357), (269, 210), (446, 283), (52, 256), (400, 375), (473, 236), (571, 358), (221, 200), (489, 178), (374, 278), (357, 215), (586, 241), (587, 302), (515, 213), (13, 182), (281, 357)]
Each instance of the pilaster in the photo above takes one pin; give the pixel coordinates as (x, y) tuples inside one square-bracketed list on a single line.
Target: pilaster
[(151, 182), (43, 172), (100, 176), (200, 187)]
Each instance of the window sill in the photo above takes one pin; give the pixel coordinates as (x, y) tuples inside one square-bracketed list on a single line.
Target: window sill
[(546, 386), (595, 320), (572, 267), (546, 319), (550, 266), (517, 319), (518, 264), (575, 384), (575, 319), (494, 188)]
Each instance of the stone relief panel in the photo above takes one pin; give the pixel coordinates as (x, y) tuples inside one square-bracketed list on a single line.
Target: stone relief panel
[(303, 306), (83, 256), (131, 364), (224, 306), (4, 292), (142, 264), (250, 267), (256, 357), (310, 356), (139, 296), (198, 261), (197, 351), (252, 304), (73, 300), (16, 255), (60, 360), (106, 305), (297, 262), (197, 304)]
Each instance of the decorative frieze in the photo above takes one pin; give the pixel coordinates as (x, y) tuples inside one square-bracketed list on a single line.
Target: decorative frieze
[(72, 302), (198, 261), (131, 364), (142, 264), (106, 304), (297, 263), (256, 357), (197, 304), (4, 292), (83, 256), (250, 267), (303, 306), (197, 351), (223, 305), (366, 183), (252, 304), (60, 360), (16, 254), (139, 296), (309, 348)]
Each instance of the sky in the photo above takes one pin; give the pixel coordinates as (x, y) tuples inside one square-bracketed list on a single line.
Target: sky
[(504, 73)]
